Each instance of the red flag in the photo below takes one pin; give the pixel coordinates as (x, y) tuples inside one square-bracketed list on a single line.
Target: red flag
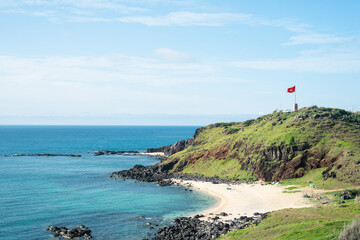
[(291, 90)]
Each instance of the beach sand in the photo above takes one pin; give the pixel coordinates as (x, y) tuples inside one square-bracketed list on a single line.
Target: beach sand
[(246, 199)]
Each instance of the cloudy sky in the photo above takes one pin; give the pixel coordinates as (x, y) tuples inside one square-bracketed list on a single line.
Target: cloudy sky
[(174, 62)]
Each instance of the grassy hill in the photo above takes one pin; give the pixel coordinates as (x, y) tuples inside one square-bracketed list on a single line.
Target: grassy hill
[(277, 146)]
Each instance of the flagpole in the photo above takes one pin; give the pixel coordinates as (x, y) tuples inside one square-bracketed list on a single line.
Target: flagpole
[(295, 94)]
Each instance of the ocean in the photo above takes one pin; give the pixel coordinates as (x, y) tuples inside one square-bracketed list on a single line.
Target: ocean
[(66, 191)]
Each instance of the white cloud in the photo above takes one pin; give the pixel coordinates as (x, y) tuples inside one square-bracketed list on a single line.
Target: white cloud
[(83, 19), (113, 84), (45, 13), (190, 19), (101, 4), (319, 61), (80, 4), (85, 11), (172, 55), (315, 38), (186, 18), (116, 84), (117, 69)]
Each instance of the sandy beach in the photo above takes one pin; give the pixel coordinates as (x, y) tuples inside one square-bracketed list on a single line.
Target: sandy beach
[(246, 199)]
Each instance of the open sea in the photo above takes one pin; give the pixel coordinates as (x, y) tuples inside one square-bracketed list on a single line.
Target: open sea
[(65, 191)]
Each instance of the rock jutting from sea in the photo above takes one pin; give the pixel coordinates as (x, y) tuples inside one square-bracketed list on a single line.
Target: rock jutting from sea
[(77, 232)]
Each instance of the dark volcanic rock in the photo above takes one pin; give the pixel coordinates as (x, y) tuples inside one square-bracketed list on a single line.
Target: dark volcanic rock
[(165, 182), (42, 155), (188, 228), (107, 152), (77, 232), (144, 174)]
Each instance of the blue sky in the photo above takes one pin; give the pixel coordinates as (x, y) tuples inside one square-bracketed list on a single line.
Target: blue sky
[(174, 62)]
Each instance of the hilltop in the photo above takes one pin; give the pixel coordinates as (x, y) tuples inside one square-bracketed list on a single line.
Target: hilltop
[(274, 147)]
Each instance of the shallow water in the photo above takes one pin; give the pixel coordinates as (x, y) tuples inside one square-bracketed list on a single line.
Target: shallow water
[(65, 191)]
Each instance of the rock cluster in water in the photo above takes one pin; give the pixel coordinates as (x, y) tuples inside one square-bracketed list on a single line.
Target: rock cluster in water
[(42, 155), (143, 174), (190, 228), (77, 232), (108, 152)]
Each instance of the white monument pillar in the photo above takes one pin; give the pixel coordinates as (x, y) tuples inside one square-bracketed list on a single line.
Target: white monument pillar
[(295, 108)]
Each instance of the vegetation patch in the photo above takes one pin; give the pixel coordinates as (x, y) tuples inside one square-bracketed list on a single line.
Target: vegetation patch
[(325, 222), (225, 169), (351, 231), (291, 191)]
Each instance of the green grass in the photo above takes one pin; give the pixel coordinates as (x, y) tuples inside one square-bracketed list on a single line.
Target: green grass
[(321, 223), (223, 169)]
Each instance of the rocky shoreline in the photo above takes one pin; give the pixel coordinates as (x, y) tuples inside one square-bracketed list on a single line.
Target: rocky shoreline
[(189, 228)]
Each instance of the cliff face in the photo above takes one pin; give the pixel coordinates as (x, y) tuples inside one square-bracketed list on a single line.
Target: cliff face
[(274, 147)]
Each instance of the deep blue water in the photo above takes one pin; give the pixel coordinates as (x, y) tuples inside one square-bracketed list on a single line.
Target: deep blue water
[(39, 191)]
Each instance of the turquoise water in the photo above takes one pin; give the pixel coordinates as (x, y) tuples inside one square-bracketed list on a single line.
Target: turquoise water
[(63, 191)]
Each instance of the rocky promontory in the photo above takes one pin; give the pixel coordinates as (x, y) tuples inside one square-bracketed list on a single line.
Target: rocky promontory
[(273, 147)]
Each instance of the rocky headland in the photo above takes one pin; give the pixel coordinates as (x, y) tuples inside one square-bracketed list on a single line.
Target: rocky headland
[(273, 147)]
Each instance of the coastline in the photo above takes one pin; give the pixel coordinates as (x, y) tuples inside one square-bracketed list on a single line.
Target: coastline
[(245, 199)]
